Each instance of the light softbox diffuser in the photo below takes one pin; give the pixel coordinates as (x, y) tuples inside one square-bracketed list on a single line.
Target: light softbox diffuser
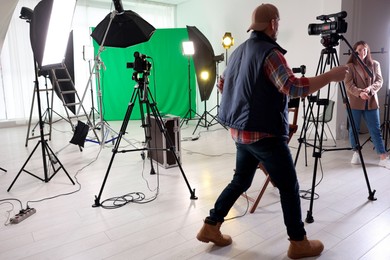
[(204, 61)]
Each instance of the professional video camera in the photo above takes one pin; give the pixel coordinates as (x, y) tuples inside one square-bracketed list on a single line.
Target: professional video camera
[(329, 29), (339, 25), (140, 66)]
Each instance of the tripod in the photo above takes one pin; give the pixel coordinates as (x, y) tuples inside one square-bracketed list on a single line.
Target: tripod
[(147, 106), (46, 150), (385, 126), (386, 120), (203, 121), (328, 58)]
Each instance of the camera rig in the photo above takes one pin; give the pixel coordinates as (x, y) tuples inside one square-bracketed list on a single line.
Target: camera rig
[(141, 66), (329, 30)]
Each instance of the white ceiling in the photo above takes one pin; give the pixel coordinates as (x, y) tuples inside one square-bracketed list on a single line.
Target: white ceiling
[(98, 2), (172, 2)]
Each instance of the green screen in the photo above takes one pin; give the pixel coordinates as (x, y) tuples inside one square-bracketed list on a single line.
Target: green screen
[(169, 77)]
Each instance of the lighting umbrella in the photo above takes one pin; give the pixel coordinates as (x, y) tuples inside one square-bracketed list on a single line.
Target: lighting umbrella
[(204, 60), (126, 29)]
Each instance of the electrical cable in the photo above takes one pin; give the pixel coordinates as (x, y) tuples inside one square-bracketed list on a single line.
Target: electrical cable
[(306, 194), (245, 212), (7, 221), (77, 181), (6, 201)]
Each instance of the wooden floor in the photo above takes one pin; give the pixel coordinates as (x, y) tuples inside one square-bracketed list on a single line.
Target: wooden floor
[(66, 226)]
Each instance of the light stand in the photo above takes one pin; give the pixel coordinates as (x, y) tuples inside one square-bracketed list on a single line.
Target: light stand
[(188, 50), (102, 124), (203, 121), (227, 42), (90, 85), (46, 150), (218, 60), (41, 41)]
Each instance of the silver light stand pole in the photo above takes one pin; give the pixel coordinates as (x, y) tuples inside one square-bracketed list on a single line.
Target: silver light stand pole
[(102, 124)]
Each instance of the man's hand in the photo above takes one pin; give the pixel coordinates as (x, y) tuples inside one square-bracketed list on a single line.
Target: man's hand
[(338, 73), (220, 84)]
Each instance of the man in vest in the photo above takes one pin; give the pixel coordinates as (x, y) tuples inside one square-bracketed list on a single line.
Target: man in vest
[(256, 85)]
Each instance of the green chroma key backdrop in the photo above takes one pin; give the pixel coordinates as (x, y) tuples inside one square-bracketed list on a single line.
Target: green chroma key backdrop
[(168, 79)]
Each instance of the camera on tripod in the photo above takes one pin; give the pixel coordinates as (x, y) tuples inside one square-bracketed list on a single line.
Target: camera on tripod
[(140, 66), (329, 30)]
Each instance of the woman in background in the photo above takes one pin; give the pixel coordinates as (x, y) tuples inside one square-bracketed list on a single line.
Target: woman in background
[(362, 93)]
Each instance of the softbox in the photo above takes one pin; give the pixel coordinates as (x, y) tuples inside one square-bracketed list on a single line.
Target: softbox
[(204, 61), (126, 29)]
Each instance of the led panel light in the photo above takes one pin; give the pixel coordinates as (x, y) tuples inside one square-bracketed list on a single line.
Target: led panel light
[(188, 48)]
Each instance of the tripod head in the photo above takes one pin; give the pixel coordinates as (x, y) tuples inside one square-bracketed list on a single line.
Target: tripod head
[(330, 40)]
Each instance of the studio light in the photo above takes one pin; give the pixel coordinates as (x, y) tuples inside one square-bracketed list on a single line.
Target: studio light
[(188, 48), (50, 27), (204, 61), (26, 14), (227, 42), (206, 71), (204, 75)]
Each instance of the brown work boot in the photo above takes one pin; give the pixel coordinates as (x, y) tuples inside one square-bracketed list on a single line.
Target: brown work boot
[(304, 248), (210, 233)]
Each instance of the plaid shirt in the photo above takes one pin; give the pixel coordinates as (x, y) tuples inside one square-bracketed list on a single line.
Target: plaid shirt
[(282, 77)]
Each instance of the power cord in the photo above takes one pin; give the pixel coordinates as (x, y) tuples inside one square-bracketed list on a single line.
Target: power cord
[(306, 194)]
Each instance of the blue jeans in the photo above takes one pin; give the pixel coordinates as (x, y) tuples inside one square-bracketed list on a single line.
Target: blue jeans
[(275, 155), (371, 118)]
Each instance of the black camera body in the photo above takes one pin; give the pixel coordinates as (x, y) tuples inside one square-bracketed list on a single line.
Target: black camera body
[(329, 29), (339, 25), (140, 66)]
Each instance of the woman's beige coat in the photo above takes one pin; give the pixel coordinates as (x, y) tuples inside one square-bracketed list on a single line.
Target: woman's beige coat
[(357, 80)]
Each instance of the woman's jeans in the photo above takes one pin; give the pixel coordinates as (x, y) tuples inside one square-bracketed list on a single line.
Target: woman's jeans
[(276, 158), (371, 117)]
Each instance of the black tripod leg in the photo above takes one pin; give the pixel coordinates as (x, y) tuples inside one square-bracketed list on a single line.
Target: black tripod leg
[(171, 148), (309, 216), (117, 143), (25, 163), (371, 193), (53, 160)]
